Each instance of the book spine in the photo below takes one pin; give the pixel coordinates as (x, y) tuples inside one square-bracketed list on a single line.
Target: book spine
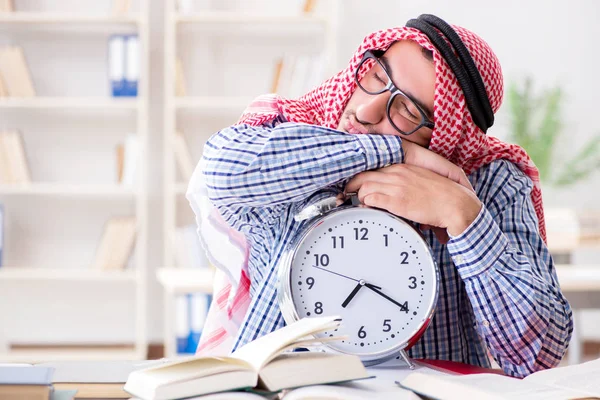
[(132, 65), (116, 65)]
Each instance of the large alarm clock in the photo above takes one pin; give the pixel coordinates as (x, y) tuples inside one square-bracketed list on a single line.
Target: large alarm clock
[(368, 266)]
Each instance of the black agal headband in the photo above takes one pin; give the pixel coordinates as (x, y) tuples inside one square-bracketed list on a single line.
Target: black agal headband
[(462, 65)]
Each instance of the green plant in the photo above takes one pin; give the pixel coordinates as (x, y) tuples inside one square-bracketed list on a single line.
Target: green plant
[(536, 126)]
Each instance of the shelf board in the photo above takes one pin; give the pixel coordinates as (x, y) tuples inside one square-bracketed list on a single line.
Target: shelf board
[(21, 17), (186, 280), (59, 189), (212, 104), (220, 17), (53, 353), (15, 273), (105, 103)]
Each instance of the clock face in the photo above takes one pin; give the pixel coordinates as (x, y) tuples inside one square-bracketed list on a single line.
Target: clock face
[(372, 269)]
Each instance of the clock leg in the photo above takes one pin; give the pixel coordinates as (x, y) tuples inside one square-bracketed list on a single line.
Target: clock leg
[(407, 359)]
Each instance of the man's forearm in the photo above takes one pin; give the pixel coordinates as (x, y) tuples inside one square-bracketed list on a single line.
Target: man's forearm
[(520, 313), (254, 166)]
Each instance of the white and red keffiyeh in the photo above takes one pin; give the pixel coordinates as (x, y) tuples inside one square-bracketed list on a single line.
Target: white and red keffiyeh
[(455, 137)]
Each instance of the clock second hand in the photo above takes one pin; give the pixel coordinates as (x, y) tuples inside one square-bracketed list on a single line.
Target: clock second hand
[(335, 273), (375, 289)]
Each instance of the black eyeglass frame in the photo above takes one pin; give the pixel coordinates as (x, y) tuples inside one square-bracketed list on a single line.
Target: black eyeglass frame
[(393, 89)]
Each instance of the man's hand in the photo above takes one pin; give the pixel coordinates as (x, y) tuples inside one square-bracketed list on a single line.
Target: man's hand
[(428, 190), (424, 158)]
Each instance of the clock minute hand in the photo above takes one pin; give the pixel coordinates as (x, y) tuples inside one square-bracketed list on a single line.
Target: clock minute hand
[(375, 289)]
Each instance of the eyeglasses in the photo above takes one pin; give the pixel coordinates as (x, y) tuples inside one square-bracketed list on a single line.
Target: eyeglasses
[(405, 115)]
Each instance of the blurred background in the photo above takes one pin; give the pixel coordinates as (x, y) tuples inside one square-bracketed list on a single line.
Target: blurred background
[(105, 106)]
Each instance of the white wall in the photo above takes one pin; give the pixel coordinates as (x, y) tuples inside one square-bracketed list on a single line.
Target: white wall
[(554, 41)]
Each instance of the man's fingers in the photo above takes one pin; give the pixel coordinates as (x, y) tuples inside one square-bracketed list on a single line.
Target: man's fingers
[(427, 159), (370, 176)]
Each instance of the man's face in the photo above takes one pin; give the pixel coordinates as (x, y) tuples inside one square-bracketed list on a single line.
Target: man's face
[(411, 72)]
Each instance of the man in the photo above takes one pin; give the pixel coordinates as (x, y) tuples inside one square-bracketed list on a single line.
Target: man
[(398, 126)]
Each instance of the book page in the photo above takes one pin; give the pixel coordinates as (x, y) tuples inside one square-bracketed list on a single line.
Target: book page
[(382, 387), (258, 352), (484, 386), (584, 378)]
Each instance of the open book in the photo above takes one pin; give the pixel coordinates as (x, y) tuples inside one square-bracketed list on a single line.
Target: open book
[(573, 382), (261, 364)]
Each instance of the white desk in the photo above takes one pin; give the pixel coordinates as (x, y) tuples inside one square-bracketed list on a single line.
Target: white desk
[(581, 286)]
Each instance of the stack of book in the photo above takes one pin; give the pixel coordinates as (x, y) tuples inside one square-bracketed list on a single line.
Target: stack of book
[(13, 162), (262, 366), (15, 78), (116, 244), (25, 382)]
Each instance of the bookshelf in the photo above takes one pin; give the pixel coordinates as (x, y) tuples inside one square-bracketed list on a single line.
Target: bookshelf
[(37, 18), (80, 115), (205, 108), (70, 103)]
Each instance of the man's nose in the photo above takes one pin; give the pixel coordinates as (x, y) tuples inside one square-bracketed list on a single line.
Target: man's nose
[(373, 111)]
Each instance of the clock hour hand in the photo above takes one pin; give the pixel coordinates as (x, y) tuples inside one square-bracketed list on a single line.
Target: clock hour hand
[(353, 293), (360, 284), (385, 296)]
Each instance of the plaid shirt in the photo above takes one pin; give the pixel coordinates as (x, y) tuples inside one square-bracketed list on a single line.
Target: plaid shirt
[(498, 287)]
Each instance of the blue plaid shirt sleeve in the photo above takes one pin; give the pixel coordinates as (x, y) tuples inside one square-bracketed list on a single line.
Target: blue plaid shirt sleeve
[(510, 277), (265, 166)]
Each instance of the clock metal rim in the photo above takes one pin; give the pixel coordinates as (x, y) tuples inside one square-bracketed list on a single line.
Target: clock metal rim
[(284, 292)]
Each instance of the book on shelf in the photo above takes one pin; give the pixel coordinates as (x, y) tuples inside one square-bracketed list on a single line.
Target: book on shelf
[(295, 75), (571, 382), (116, 244), (132, 65), (120, 7), (13, 160), (183, 156), (180, 86), (276, 75), (123, 65), (127, 158), (190, 313), (3, 88), (120, 158), (309, 6), (15, 73), (263, 364), (7, 6)]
